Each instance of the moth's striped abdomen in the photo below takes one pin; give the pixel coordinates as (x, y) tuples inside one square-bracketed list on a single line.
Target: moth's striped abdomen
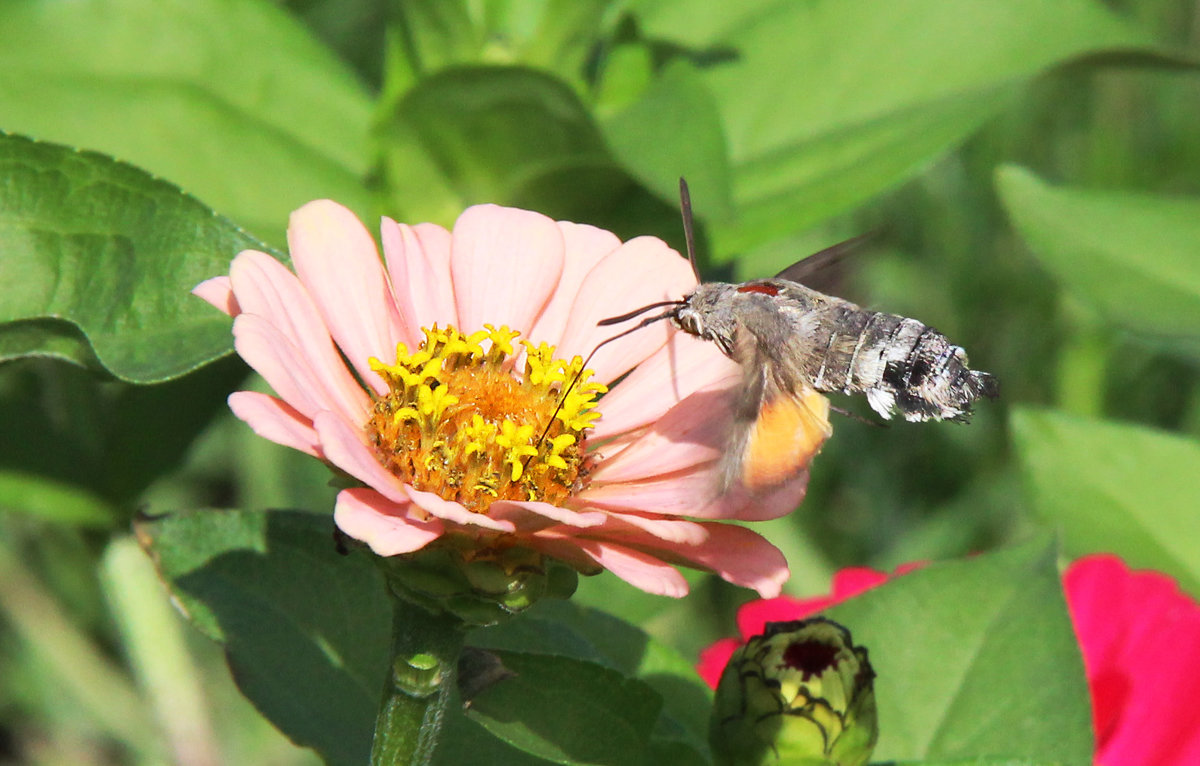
[(906, 367)]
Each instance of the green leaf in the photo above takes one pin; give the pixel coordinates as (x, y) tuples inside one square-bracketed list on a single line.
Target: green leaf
[(554, 35), (1132, 256), (48, 338), (673, 130), (306, 630), (827, 103), (569, 711), (474, 134), (511, 136), (355, 29), (52, 501), (465, 741), (231, 99), (102, 439), (567, 629), (976, 658), (96, 247), (1115, 487)]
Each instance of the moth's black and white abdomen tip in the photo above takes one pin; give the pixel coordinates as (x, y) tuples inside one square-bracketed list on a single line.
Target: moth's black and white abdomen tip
[(977, 384), (984, 384)]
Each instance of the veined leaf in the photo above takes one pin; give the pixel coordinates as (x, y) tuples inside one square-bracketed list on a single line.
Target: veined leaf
[(99, 261)]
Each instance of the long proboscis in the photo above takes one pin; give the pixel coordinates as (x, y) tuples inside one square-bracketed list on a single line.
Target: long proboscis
[(562, 399), (689, 235), (636, 313)]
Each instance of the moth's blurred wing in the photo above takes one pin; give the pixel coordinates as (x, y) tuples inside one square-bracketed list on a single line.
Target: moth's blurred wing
[(774, 433), (813, 271), (789, 431)]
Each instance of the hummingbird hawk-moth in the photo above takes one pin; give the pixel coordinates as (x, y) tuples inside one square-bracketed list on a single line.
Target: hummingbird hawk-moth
[(794, 344)]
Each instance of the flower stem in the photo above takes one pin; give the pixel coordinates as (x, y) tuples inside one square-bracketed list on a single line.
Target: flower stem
[(425, 649)]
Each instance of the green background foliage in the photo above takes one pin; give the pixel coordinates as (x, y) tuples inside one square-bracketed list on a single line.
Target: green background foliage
[(1032, 170)]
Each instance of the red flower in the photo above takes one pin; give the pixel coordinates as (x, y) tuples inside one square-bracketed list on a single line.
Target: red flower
[(1140, 639), (753, 616)]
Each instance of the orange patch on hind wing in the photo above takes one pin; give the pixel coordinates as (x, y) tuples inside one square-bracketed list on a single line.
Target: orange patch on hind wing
[(788, 433)]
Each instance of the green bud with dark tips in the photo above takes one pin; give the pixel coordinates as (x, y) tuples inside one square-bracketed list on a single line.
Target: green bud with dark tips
[(801, 693)]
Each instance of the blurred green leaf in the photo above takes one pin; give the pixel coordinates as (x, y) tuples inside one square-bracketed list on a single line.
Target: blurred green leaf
[(1135, 257), (511, 136), (976, 658), (673, 130), (82, 677), (115, 252), (828, 103), (569, 711), (231, 99), (356, 29), (306, 629), (479, 134), (1115, 487), (103, 440), (52, 501), (553, 35)]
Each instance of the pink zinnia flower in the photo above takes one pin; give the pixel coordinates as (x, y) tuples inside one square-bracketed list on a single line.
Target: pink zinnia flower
[(1140, 639), (406, 374)]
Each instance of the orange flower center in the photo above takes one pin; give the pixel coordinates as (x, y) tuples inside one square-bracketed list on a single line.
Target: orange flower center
[(458, 422)]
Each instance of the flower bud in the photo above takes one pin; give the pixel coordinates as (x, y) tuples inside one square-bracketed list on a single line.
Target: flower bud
[(480, 590), (801, 693)]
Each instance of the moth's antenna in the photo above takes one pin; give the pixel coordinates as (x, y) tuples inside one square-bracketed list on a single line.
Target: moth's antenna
[(689, 233), (579, 373)]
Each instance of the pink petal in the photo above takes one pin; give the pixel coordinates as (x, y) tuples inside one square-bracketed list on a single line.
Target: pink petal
[(695, 492), (281, 364), (449, 510), (418, 262), (531, 515), (266, 289), (686, 494), (738, 503), (338, 263), (639, 569), (737, 554), (584, 246), (682, 367), (219, 292), (552, 543), (633, 529), (692, 433), (506, 264), (643, 270), (387, 527), (344, 447), (274, 419)]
